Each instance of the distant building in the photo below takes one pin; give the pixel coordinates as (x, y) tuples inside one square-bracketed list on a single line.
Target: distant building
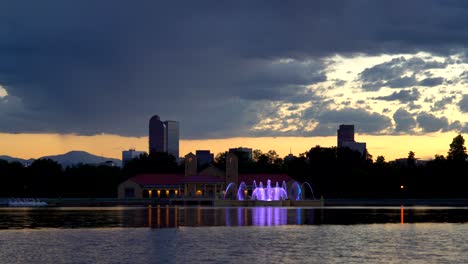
[(109, 163), (172, 138), (345, 138), (242, 153), (345, 134), (157, 135), (164, 136), (195, 182), (403, 162), (130, 154), (204, 157)]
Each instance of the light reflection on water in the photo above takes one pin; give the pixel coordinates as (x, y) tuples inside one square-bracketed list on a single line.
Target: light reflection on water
[(174, 216), (165, 234)]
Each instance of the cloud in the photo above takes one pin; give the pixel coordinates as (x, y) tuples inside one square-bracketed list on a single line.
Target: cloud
[(459, 127), (364, 121), (402, 82), (430, 123), (91, 67), (3, 92), (404, 96), (404, 121), (431, 82), (392, 74), (442, 104), (463, 104)]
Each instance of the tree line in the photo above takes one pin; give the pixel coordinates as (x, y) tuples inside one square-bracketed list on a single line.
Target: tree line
[(332, 172)]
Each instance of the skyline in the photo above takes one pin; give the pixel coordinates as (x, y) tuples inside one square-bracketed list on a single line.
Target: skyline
[(275, 73), (34, 146)]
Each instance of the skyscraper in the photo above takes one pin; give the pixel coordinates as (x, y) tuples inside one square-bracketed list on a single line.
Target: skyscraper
[(157, 135), (164, 136), (172, 138), (346, 139), (345, 133)]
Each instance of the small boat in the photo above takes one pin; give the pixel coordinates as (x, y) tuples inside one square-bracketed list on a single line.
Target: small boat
[(26, 202)]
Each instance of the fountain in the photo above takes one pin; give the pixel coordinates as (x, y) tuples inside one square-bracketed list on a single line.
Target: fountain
[(303, 190), (295, 192), (268, 192), (230, 189), (242, 192)]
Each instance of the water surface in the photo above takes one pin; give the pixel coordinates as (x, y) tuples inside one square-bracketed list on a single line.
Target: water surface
[(234, 235)]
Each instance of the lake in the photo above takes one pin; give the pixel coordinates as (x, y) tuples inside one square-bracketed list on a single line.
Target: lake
[(183, 234)]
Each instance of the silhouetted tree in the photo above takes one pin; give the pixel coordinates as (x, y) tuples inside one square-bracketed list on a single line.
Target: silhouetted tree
[(12, 175), (256, 153), (220, 160), (156, 162), (380, 161), (457, 151), (84, 180), (411, 160), (43, 178)]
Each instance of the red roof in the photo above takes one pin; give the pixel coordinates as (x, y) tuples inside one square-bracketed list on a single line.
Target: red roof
[(157, 179), (263, 177), (202, 179), (175, 179)]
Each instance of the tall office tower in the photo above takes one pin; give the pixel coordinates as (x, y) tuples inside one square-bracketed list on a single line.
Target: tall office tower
[(164, 136), (157, 135), (346, 139), (172, 138), (345, 133)]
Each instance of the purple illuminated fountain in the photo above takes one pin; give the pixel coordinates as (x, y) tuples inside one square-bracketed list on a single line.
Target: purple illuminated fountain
[(268, 192)]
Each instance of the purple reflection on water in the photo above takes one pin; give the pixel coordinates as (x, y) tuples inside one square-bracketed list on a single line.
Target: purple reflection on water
[(268, 216)]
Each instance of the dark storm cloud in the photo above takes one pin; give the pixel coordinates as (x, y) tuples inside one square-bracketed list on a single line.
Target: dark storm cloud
[(280, 80), (89, 67), (430, 123), (404, 121), (404, 96)]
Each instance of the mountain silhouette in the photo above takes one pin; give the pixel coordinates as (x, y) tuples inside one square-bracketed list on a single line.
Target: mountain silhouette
[(13, 159), (70, 158)]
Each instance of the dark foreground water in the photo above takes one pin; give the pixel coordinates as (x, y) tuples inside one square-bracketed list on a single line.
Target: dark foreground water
[(234, 235)]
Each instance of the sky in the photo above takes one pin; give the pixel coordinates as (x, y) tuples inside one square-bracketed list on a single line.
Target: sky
[(280, 75)]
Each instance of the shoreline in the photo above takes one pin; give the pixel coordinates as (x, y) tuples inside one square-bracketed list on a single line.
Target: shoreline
[(382, 202)]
